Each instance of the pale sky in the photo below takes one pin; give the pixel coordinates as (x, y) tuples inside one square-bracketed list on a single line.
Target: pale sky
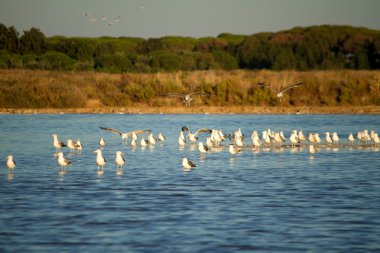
[(193, 18)]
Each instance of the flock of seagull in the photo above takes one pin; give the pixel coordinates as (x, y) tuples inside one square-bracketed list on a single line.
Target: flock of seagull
[(213, 141)]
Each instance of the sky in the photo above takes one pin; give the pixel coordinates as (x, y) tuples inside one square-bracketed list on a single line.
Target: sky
[(190, 18)]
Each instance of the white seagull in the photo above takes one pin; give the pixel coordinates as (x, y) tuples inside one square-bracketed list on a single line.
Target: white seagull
[(11, 164), (335, 138), (280, 93), (100, 161), (233, 150), (181, 137), (187, 98), (119, 161), (62, 161), (202, 148), (161, 137), (57, 144), (188, 165), (78, 146), (102, 142), (351, 138), (125, 136)]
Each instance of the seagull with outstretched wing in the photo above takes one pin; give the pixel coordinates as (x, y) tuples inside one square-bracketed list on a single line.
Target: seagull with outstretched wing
[(187, 98), (125, 136), (280, 93)]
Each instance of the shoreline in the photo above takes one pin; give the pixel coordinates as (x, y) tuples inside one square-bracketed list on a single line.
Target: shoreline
[(201, 110)]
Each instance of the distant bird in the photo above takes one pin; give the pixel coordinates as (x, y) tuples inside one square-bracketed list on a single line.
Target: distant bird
[(202, 148), (193, 137), (125, 136), (187, 164), (187, 98), (143, 142), (161, 137), (376, 139), (351, 138), (71, 145), (62, 161), (119, 161), (280, 93), (100, 161), (328, 138), (102, 142), (233, 150), (181, 137), (335, 138), (11, 164), (78, 146), (151, 139), (294, 138), (57, 144)]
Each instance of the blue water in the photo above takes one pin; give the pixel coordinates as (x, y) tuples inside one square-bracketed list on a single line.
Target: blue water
[(274, 200)]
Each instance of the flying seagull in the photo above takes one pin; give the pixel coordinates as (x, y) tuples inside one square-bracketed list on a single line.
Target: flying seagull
[(187, 98), (280, 93), (125, 136)]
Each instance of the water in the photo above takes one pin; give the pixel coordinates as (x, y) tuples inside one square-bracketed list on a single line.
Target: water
[(269, 201)]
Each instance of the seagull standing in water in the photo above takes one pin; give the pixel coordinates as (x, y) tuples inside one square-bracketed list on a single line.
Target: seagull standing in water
[(187, 98), (193, 137), (187, 164), (63, 162), (100, 161), (11, 164), (161, 137), (119, 161), (202, 148), (351, 138), (280, 93), (57, 144), (181, 137)]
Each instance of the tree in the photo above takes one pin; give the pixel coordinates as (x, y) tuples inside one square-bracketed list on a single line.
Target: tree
[(33, 41)]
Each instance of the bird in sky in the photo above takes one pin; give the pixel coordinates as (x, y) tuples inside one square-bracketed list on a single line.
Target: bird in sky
[(187, 98), (280, 93)]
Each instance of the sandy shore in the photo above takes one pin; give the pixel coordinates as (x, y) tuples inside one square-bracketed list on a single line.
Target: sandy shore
[(202, 110)]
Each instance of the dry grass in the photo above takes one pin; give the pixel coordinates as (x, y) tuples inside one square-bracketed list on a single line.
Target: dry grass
[(236, 91)]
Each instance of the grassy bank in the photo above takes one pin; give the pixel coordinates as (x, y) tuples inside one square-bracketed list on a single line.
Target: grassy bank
[(231, 92)]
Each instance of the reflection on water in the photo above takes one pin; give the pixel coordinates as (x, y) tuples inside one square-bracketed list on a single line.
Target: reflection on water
[(274, 199)]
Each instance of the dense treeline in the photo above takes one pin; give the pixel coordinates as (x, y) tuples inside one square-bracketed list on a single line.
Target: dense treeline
[(310, 48), (57, 89)]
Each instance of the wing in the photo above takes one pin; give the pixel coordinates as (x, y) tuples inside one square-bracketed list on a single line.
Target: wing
[(199, 94), (192, 164), (67, 161), (111, 130), (267, 86), (137, 132), (202, 130), (291, 87), (174, 94)]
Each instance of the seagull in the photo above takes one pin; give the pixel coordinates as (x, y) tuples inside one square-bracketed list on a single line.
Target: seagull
[(78, 146), (181, 137), (301, 136), (188, 165), (143, 142), (102, 142), (151, 139), (11, 164), (100, 160), (119, 161), (161, 137), (233, 150), (71, 145), (62, 161), (280, 93), (335, 138), (187, 98), (57, 144), (193, 137), (376, 139), (294, 138), (328, 138), (125, 136), (202, 148), (351, 138)]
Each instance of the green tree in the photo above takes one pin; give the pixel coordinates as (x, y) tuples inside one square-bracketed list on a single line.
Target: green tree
[(33, 41)]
